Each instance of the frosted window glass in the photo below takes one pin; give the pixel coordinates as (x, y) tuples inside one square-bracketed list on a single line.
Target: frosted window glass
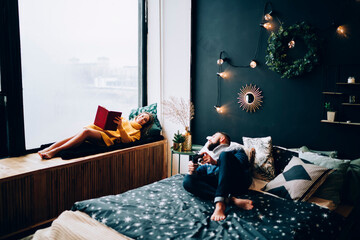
[(76, 55)]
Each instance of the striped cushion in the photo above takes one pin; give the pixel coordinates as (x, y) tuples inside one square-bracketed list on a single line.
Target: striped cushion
[(298, 181)]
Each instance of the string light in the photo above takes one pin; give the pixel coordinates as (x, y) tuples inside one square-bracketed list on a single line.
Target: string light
[(291, 44), (218, 109), (222, 75), (253, 64), (342, 31), (267, 25), (220, 61), (268, 17)]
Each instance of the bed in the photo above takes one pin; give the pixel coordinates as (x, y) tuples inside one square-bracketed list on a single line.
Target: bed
[(164, 210)]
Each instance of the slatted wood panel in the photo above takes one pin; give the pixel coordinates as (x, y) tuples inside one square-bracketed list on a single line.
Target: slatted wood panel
[(35, 197)]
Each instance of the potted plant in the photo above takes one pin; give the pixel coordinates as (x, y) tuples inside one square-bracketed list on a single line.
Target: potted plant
[(330, 112), (177, 141)]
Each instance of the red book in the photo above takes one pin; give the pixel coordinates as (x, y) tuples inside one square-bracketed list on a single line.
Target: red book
[(105, 119)]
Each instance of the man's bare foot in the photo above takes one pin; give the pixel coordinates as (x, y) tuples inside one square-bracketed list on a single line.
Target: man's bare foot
[(245, 204), (219, 212)]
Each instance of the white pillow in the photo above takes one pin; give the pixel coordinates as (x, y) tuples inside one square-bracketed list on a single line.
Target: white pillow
[(264, 162)]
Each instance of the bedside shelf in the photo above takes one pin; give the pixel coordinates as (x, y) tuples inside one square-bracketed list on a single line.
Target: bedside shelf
[(340, 83), (344, 123), (351, 104), (333, 93)]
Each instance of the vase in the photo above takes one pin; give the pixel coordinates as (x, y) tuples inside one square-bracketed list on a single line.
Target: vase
[(176, 146), (188, 140), (331, 116)]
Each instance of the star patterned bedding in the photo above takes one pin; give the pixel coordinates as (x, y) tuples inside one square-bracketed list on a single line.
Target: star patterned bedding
[(164, 210)]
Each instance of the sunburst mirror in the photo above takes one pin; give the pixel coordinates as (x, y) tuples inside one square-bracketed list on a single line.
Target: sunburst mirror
[(250, 98)]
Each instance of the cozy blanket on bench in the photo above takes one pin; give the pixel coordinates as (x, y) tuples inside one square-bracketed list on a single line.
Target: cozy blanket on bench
[(87, 149)]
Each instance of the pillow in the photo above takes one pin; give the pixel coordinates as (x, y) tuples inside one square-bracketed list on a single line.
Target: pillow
[(332, 187), (298, 181), (332, 154), (351, 193), (156, 127), (264, 163), (282, 157)]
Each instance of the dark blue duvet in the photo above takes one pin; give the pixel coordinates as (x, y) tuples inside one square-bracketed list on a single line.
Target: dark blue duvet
[(164, 210)]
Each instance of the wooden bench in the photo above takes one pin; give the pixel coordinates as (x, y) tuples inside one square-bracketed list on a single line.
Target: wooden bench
[(33, 192)]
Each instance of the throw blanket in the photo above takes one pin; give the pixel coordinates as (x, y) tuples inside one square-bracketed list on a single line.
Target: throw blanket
[(75, 226)]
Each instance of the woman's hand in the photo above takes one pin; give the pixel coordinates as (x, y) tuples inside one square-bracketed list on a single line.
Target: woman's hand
[(208, 159), (118, 121)]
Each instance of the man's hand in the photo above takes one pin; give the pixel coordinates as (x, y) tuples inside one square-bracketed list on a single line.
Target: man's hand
[(208, 159), (192, 167)]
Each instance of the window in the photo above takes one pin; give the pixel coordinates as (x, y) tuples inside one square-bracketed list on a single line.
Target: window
[(76, 55), (63, 58)]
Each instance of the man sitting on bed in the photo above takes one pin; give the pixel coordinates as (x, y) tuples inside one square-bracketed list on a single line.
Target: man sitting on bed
[(225, 173)]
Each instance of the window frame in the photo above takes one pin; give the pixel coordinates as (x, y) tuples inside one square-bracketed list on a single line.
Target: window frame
[(12, 131)]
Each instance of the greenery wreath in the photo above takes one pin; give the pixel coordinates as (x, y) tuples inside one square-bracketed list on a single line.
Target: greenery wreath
[(278, 45)]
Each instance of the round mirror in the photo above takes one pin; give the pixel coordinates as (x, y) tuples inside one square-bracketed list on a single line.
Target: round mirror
[(250, 98)]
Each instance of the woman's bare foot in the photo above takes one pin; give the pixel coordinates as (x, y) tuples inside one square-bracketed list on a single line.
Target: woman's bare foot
[(48, 155), (245, 204), (219, 212)]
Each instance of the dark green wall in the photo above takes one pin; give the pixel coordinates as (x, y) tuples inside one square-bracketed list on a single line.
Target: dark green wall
[(292, 108)]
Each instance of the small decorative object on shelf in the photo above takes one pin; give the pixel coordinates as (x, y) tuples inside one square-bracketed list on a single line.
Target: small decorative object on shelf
[(330, 112), (351, 80), (188, 140), (352, 99), (178, 141)]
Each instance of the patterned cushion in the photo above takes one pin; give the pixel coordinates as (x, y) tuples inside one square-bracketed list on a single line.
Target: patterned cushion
[(298, 181), (264, 162), (156, 127), (282, 157)]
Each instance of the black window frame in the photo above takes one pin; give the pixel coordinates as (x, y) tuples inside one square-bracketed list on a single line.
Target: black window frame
[(12, 131)]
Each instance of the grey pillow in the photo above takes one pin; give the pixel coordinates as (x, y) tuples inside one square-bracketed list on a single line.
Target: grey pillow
[(331, 188), (332, 154), (351, 193)]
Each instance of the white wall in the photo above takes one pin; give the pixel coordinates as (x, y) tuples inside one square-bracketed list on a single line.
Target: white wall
[(169, 38)]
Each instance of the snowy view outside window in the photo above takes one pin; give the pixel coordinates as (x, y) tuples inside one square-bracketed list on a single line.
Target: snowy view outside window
[(76, 55)]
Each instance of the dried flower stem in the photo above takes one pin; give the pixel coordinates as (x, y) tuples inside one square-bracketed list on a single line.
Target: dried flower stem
[(179, 110)]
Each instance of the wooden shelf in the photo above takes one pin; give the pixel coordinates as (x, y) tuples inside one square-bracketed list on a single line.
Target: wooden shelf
[(351, 104), (345, 123), (333, 93), (343, 83)]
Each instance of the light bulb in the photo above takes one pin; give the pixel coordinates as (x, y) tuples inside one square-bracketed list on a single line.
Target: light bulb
[(222, 74), (268, 17), (266, 25), (220, 61), (253, 64), (342, 31), (291, 44), (218, 109)]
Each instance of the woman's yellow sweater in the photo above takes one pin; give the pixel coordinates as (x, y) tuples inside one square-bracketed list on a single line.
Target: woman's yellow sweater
[(128, 131)]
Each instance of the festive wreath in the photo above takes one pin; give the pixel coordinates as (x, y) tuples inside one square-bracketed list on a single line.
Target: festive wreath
[(279, 43)]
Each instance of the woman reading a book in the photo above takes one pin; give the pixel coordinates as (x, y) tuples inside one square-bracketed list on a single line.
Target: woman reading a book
[(127, 131)]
